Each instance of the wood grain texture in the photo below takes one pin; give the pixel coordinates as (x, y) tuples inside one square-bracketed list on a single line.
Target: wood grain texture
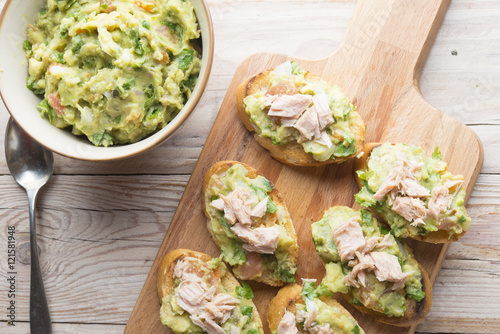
[(95, 262), (463, 86), (378, 65)]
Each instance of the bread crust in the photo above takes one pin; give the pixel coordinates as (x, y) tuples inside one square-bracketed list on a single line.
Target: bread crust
[(436, 237), (291, 153), (287, 299), (293, 251), (166, 282)]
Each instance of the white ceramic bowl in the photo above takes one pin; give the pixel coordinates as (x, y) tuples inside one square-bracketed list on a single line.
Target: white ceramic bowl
[(21, 102)]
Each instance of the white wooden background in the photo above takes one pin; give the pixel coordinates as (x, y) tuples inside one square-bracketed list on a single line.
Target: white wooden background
[(101, 224)]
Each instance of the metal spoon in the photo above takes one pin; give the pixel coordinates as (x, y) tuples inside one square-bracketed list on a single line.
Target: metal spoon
[(31, 165)]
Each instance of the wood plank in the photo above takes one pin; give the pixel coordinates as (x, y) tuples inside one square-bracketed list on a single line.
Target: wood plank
[(378, 66), (85, 251), (101, 193), (62, 328), (90, 260)]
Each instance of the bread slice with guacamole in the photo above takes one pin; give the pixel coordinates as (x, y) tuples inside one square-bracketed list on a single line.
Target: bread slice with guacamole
[(299, 118), (250, 223), (307, 309), (198, 294), (415, 194), (376, 272)]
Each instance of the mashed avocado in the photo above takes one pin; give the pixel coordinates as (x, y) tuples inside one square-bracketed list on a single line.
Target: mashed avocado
[(432, 174), (377, 295), (231, 246), (340, 131), (113, 70)]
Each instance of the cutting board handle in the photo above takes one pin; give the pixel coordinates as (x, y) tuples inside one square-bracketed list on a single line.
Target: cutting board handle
[(409, 25)]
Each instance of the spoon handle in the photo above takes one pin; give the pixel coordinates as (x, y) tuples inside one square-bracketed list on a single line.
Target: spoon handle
[(39, 308)]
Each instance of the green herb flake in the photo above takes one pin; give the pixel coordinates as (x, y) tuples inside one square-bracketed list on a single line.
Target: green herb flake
[(244, 291), (46, 110), (296, 69), (150, 94), (185, 58), (175, 29), (103, 138), (354, 301), (436, 155), (253, 331), (356, 330), (189, 83), (64, 32), (31, 85), (271, 207), (89, 61), (154, 111), (77, 44), (128, 84), (145, 24), (309, 290), (384, 230), (366, 217), (247, 310), (346, 148), (27, 45), (134, 36), (285, 275), (60, 58), (417, 295)]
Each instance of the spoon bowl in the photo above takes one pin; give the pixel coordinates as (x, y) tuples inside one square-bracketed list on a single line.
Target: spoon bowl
[(31, 165)]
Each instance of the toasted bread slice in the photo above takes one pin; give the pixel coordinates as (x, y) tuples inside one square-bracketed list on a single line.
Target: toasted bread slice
[(275, 268), (289, 151), (290, 296), (178, 320), (398, 290), (449, 232)]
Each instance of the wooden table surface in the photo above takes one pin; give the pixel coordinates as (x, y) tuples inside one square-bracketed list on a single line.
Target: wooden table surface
[(100, 224)]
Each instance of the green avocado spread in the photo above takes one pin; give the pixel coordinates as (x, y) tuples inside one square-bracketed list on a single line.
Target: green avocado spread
[(377, 295), (115, 71), (340, 132), (242, 315), (276, 216), (431, 174)]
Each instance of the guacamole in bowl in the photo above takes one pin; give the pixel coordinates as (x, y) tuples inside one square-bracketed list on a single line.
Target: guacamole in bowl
[(114, 71)]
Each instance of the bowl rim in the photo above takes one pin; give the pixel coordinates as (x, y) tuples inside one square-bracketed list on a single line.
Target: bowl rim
[(173, 125)]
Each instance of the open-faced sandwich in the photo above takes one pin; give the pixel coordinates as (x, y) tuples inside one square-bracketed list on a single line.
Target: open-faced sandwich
[(376, 272), (297, 309), (250, 223), (299, 118), (414, 193), (199, 295)]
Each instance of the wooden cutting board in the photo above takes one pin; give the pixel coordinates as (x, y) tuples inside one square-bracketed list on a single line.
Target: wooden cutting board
[(378, 66)]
